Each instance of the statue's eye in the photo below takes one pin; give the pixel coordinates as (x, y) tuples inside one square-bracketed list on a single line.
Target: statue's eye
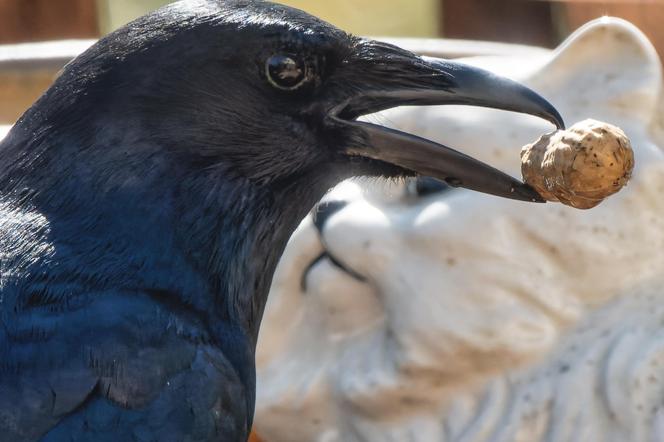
[(427, 186), (286, 72)]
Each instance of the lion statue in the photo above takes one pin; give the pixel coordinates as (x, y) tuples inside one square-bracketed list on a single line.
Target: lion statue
[(415, 312)]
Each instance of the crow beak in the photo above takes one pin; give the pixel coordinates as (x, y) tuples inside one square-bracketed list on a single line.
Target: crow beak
[(390, 77)]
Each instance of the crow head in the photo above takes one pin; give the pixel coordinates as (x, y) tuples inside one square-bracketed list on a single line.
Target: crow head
[(272, 93), (219, 124)]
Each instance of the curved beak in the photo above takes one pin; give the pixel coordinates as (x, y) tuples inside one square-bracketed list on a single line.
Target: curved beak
[(391, 77)]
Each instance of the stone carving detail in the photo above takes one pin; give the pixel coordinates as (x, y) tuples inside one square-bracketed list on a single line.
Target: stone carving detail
[(461, 317)]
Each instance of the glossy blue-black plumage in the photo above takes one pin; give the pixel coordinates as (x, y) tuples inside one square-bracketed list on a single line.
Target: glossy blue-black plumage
[(144, 202)]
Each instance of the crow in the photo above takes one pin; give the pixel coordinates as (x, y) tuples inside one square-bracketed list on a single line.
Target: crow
[(146, 197)]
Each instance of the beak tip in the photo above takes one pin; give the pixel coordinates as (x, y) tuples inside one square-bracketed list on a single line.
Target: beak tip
[(547, 111), (524, 192), (557, 120)]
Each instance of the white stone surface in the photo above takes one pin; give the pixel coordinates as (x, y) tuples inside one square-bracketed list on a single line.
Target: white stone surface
[(456, 48), (34, 54), (478, 318)]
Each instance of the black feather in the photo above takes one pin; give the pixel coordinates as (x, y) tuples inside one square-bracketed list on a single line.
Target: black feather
[(144, 202)]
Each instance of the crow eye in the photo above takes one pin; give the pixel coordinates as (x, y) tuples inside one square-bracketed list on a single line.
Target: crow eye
[(286, 72)]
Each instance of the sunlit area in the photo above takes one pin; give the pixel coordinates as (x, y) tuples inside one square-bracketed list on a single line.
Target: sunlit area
[(232, 220), (370, 17)]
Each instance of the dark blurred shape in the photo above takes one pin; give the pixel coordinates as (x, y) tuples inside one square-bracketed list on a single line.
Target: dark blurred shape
[(427, 186), (39, 20), (514, 21), (324, 210)]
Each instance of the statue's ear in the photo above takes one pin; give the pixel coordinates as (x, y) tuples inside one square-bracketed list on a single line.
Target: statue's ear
[(607, 70)]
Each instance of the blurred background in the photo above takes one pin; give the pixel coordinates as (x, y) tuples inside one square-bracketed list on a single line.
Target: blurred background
[(537, 22), (27, 70)]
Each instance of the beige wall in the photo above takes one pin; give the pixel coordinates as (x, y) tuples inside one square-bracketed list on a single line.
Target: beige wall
[(363, 17), (115, 13), (401, 18)]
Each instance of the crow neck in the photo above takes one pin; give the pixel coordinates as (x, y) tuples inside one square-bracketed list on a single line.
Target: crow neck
[(236, 231)]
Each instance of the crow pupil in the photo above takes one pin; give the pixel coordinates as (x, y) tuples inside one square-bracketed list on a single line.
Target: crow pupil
[(285, 72)]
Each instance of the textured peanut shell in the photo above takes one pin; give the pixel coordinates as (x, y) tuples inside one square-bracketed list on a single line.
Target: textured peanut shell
[(580, 166)]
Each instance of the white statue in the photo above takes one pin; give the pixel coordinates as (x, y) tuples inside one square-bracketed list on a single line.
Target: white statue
[(464, 317)]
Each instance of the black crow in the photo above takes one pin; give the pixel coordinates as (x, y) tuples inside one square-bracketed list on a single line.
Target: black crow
[(146, 198)]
